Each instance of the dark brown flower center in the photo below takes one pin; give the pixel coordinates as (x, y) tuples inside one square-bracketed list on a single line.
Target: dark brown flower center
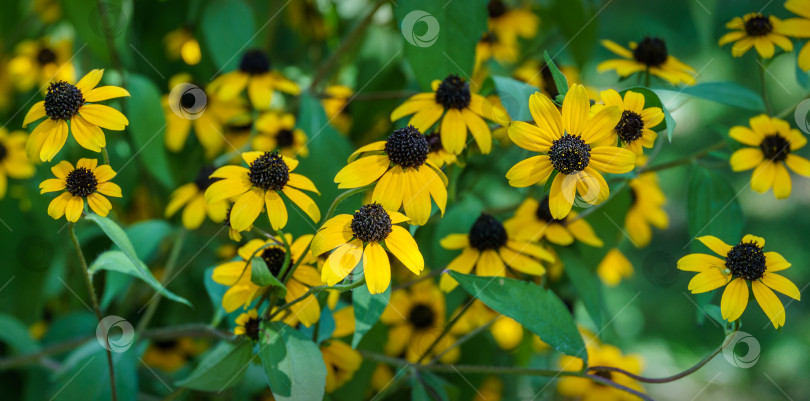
[(254, 62), (63, 100), (284, 138), (203, 179), (165, 345), (421, 316), (252, 328), (407, 147), (496, 8), (569, 154), (487, 233), (3, 152), (46, 56), (371, 223), (453, 93), (543, 212), (269, 172), (489, 37), (434, 141), (775, 147), (630, 127), (746, 260), (651, 51), (81, 182), (758, 25), (274, 259)]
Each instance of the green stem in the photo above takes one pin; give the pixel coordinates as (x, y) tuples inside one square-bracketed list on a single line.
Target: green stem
[(105, 26), (497, 370), (764, 88), (464, 339), (105, 155), (171, 264), (684, 160), (446, 330), (88, 281), (315, 290), (647, 77), (286, 266)]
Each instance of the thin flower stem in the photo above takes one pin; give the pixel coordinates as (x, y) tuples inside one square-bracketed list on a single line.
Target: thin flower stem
[(101, 7), (447, 328), (171, 265), (105, 155), (684, 160), (764, 88), (89, 283), (315, 290), (617, 386), (287, 258), (647, 77), (464, 339)]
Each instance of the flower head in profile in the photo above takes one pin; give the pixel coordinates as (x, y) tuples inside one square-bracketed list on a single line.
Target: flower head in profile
[(634, 130), (366, 236), (192, 197), (801, 29), (761, 32), (181, 44), (278, 131), (571, 143), (772, 145), (86, 182), (646, 209), (489, 247), (13, 162), (600, 355), (38, 62), (237, 275), (459, 110), (405, 176), (335, 106), (739, 266), (533, 222), (651, 55), (260, 185), (76, 104), (248, 325), (255, 74), (416, 317)]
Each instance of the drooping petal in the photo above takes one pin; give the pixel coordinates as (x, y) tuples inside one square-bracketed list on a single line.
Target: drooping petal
[(304, 202), (453, 132), (769, 303), (734, 300), (246, 209), (404, 248), (276, 211), (781, 284), (376, 268)]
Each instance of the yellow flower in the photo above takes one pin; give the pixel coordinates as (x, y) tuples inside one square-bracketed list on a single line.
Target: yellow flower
[(366, 235), (172, 354), (458, 109), (37, 63), (489, 248), (192, 196), (511, 23), (254, 73), (181, 44), (405, 177), (243, 291), (648, 55), (13, 162), (533, 222), (416, 317), (342, 361), (490, 390), (507, 332), (335, 107), (75, 103), (744, 263), (600, 355), (801, 28), (773, 143), (88, 181), (646, 209), (437, 154), (614, 267), (207, 112), (261, 184), (248, 324), (502, 49), (277, 131), (572, 144), (634, 130), (761, 32), (233, 234), (49, 11)]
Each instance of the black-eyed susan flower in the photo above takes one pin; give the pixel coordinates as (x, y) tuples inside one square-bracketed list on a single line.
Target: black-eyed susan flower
[(366, 235), (759, 31), (491, 46), (248, 324), (87, 181), (600, 355), (39, 62), (172, 354), (634, 129), (77, 104), (457, 107), (571, 143), (342, 361), (489, 248), (801, 29), (192, 197), (511, 22), (437, 154), (416, 317), (260, 185), (404, 175), (533, 222), (738, 266), (772, 142), (646, 209), (614, 267), (181, 44), (335, 105), (13, 162), (254, 73), (278, 131), (648, 55), (236, 275)]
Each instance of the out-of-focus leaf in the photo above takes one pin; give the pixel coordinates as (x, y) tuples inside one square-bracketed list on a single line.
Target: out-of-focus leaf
[(728, 93), (579, 27), (148, 126), (427, 387), (117, 261), (515, 97), (16, 335), (84, 374), (585, 282), (537, 309), (293, 364), (146, 236), (228, 29), (220, 368), (367, 310), (560, 81)]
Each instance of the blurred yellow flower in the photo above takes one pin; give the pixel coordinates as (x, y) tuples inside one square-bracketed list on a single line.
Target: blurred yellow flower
[(614, 267), (600, 355), (646, 209), (276, 131), (533, 222), (13, 162), (181, 44), (255, 74), (801, 28), (649, 55), (192, 197), (36, 63), (761, 32)]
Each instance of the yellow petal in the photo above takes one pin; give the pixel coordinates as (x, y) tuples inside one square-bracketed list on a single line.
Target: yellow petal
[(769, 303), (74, 208), (54, 141), (362, 171), (479, 130), (105, 93), (455, 241), (781, 284), (301, 182), (453, 132), (529, 137), (533, 170), (246, 209), (36, 112), (104, 116), (376, 268), (89, 136), (575, 110), (90, 80), (546, 115), (389, 190), (56, 209), (276, 211), (51, 185), (416, 197), (404, 248), (762, 178), (715, 244), (304, 202), (734, 300), (775, 262), (781, 182), (99, 204), (746, 159), (613, 160), (753, 238), (699, 262), (708, 280), (561, 196), (490, 264)]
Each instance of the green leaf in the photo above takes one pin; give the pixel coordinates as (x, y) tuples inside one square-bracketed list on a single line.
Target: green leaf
[(559, 78), (147, 127), (651, 99), (585, 282), (118, 261), (728, 93), (802, 77), (367, 310), (515, 97), (578, 26), (146, 237), (537, 309), (84, 374), (293, 364), (228, 29), (261, 276), (713, 207), (440, 37), (220, 368), (427, 387), (16, 335)]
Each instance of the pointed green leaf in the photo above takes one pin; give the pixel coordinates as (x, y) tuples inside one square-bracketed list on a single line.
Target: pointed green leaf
[(220, 368), (367, 310)]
